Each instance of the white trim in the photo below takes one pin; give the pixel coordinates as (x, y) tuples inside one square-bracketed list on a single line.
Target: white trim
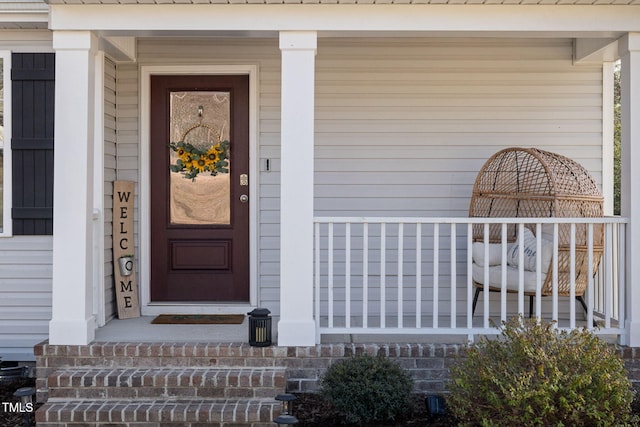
[(297, 326), (149, 308), (630, 153), (72, 321), (98, 194), (161, 19), (6, 179), (607, 136)]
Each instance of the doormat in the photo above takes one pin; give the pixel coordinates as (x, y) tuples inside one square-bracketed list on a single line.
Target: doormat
[(198, 319)]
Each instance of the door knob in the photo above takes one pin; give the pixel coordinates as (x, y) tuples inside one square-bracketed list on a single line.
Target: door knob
[(244, 198)]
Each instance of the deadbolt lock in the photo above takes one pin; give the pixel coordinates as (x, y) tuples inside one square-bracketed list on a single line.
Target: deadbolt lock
[(244, 179)]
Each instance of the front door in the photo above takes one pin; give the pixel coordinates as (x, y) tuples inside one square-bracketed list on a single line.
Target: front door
[(199, 188)]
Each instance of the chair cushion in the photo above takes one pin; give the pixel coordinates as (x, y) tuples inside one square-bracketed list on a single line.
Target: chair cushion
[(495, 278), (528, 240), (495, 253)]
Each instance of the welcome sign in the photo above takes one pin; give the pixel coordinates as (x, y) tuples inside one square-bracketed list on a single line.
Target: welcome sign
[(124, 271)]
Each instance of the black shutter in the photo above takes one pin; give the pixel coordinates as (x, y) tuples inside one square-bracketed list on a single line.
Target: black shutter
[(32, 87)]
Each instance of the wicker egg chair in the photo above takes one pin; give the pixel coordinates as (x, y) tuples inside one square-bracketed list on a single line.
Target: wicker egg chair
[(528, 182)]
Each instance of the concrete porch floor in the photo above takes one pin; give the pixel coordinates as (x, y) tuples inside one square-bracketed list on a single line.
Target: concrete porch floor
[(141, 329)]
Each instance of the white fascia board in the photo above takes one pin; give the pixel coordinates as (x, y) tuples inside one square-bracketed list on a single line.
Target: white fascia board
[(34, 17), (26, 41), (604, 20), (29, 35)]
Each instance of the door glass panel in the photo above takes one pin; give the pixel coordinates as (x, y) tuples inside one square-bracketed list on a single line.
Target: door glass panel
[(199, 158)]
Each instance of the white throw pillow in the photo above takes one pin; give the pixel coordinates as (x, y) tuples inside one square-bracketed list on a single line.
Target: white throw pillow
[(528, 240), (495, 253)]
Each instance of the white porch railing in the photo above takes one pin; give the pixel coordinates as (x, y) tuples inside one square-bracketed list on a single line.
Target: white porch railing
[(413, 276)]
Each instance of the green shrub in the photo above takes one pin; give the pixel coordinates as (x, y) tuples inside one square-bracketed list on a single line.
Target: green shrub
[(368, 389), (536, 376)]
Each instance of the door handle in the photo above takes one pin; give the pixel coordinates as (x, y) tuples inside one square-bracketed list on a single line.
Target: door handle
[(244, 198)]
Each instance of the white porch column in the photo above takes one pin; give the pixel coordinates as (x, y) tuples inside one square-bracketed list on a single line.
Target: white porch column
[(296, 326), (72, 319), (629, 49)]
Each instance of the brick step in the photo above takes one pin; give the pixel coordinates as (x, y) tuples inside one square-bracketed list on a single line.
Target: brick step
[(109, 354), (147, 413), (155, 382)]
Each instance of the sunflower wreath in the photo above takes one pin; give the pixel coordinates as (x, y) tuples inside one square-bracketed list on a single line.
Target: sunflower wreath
[(192, 161)]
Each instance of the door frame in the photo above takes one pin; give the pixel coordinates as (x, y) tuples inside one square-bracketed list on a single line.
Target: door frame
[(149, 308)]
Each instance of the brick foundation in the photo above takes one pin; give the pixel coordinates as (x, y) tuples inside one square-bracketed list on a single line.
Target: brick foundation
[(249, 377), (428, 363)]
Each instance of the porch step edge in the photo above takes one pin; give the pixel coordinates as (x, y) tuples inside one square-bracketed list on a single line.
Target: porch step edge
[(167, 383), (94, 412)]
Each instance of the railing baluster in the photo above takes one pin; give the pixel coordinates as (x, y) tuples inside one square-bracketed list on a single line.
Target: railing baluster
[(330, 274), (383, 273), (365, 275), (608, 276), (400, 274), (347, 278), (469, 276), (554, 293), (521, 269), (418, 275), (538, 271), (572, 275), (622, 283), (503, 283), (454, 281), (590, 284), (317, 279), (615, 314), (485, 291), (436, 272)]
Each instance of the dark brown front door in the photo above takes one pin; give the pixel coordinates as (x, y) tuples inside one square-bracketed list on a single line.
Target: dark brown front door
[(199, 188)]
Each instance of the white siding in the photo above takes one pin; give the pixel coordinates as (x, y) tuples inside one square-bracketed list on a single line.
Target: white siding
[(126, 160), (403, 125), (110, 129), (25, 294), (25, 261)]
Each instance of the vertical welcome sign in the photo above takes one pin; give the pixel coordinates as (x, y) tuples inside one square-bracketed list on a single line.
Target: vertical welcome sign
[(123, 246)]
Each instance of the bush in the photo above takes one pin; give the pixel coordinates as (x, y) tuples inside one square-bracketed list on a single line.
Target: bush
[(537, 376), (368, 389)]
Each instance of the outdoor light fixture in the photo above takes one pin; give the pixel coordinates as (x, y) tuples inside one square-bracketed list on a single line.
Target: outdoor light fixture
[(259, 327), (26, 400), (435, 404), (285, 418)]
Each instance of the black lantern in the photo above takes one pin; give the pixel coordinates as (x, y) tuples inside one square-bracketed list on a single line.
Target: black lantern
[(260, 327), (285, 418), (436, 404)]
